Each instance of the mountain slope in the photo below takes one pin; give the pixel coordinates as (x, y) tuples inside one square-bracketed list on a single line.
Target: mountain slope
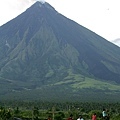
[(42, 48)]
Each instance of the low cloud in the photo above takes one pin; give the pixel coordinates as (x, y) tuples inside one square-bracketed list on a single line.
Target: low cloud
[(116, 42), (43, 1), (12, 8)]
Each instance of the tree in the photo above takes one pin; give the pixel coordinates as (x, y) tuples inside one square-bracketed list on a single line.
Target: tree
[(36, 113)]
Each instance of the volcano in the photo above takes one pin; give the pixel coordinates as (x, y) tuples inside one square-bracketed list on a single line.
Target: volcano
[(46, 54)]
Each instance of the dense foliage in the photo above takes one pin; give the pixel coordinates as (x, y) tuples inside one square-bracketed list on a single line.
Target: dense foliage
[(38, 110)]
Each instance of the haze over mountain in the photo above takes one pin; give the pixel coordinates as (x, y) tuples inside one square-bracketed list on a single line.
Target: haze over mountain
[(117, 42), (44, 55)]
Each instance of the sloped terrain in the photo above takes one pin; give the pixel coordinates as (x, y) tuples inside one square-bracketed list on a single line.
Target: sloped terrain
[(41, 50)]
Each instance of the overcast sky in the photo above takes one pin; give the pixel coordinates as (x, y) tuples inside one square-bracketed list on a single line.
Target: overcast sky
[(100, 16)]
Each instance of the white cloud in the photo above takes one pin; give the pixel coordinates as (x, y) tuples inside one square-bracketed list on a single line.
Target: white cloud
[(11, 8), (43, 1)]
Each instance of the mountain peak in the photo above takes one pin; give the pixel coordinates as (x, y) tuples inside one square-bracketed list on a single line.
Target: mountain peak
[(41, 1), (42, 4)]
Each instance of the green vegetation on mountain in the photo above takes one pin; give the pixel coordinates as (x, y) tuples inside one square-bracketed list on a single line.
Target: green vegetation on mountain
[(44, 55)]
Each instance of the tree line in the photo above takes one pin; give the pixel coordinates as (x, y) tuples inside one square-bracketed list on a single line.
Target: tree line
[(39, 110)]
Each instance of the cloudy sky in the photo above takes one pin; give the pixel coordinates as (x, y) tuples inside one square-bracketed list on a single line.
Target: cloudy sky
[(100, 16)]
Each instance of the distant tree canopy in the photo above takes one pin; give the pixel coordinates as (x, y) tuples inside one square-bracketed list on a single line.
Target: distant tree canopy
[(57, 111)]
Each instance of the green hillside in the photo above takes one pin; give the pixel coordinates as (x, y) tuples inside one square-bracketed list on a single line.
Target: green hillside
[(44, 55)]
